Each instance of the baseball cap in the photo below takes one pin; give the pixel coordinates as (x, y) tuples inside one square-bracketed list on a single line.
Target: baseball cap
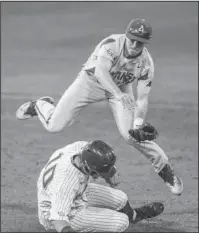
[(140, 30)]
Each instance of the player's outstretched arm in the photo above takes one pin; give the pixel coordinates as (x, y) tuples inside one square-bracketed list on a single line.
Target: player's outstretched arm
[(143, 90), (102, 74), (141, 105)]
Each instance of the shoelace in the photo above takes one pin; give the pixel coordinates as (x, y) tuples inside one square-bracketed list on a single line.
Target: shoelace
[(31, 109)]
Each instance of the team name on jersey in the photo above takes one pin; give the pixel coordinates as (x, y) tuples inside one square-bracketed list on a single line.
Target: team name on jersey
[(123, 77)]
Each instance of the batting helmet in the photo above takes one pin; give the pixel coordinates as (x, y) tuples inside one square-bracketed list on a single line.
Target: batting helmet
[(138, 29), (99, 157)]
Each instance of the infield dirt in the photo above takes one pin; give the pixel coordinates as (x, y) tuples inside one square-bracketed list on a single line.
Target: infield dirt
[(43, 47)]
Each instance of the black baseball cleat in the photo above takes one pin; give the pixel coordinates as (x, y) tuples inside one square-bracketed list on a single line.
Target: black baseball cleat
[(27, 110), (173, 182), (148, 211)]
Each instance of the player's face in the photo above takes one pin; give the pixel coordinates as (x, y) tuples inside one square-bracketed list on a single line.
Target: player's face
[(134, 47)]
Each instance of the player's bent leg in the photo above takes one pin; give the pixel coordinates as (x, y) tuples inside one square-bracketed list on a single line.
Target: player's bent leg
[(80, 93), (124, 121), (151, 150), (146, 211), (160, 162), (54, 119), (94, 219), (27, 110), (107, 197)]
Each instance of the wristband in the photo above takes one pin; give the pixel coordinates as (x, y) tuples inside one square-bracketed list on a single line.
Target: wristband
[(138, 122)]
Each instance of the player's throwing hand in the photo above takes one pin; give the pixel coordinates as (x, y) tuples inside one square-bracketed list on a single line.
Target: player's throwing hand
[(114, 181), (126, 99)]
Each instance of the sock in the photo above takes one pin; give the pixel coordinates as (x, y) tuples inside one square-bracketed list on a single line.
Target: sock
[(127, 209), (44, 111)]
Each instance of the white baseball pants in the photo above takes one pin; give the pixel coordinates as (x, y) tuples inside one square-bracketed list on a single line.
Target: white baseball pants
[(100, 213), (86, 90)]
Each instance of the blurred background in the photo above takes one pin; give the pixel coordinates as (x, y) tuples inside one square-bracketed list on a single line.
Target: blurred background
[(50, 41), (43, 46)]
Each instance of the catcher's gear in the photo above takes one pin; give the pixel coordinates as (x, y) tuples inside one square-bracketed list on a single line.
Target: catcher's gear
[(144, 133), (98, 157)]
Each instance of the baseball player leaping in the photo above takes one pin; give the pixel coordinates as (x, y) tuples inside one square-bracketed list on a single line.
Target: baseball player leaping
[(117, 62), (69, 202)]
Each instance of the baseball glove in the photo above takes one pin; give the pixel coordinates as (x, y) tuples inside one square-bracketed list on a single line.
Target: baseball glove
[(145, 132)]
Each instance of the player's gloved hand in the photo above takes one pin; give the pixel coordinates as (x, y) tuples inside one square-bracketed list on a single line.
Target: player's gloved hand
[(114, 180), (126, 99), (145, 132)]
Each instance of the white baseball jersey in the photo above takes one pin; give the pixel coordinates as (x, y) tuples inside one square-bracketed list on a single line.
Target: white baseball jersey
[(64, 193), (124, 70), (86, 89), (61, 186)]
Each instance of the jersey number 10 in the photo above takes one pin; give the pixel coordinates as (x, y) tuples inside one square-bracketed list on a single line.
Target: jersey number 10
[(49, 173)]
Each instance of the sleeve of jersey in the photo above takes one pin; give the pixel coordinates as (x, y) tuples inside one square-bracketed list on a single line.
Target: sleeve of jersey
[(146, 75), (62, 200), (108, 49)]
